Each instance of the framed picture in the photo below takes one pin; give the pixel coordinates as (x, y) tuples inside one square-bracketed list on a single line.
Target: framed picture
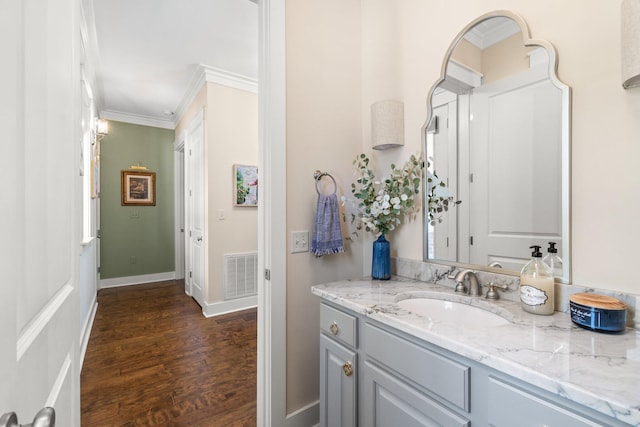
[(245, 188), (138, 188)]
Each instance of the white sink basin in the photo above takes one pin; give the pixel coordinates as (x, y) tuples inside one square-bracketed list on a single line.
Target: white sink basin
[(442, 311)]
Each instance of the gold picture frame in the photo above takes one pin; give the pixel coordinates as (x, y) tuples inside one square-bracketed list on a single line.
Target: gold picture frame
[(138, 188)]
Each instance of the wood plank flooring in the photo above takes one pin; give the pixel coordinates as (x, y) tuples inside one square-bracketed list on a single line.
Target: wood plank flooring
[(154, 360)]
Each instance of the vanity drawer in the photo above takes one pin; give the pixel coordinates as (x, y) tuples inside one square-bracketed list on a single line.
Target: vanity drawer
[(436, 373), (339, 324)]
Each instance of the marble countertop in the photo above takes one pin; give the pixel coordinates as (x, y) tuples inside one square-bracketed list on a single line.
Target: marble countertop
[(601, 371)]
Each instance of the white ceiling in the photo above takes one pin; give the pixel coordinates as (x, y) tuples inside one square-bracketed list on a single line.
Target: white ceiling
[(149, 51)]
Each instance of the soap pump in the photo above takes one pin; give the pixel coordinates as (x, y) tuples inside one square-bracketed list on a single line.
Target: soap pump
[(553, 260), (536, 285)]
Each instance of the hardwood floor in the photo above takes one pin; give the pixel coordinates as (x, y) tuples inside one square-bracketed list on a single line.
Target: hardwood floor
[(154, 360)]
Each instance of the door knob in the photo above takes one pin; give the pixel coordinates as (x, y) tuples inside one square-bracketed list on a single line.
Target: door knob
[(199, 239), (46, 417)]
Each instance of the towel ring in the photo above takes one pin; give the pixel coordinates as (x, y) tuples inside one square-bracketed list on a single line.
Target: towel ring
[(317, 175)]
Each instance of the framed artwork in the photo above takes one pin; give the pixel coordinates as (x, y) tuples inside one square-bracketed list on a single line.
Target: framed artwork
[(138, 188), (245, 185)]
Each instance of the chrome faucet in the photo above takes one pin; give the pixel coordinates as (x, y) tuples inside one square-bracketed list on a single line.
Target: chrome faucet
[(460, 276)]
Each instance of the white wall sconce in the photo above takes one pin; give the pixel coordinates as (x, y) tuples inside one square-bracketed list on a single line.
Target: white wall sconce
[(387, 124), (102, 127), (630, 43)]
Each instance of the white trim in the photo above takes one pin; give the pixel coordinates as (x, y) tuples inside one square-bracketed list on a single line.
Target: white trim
[(306, 416), (63, 374), (42, 319), (137, 119), (206, 74), (272, 245), (86, 331), (227, 78), (224, 307), (136, 280)]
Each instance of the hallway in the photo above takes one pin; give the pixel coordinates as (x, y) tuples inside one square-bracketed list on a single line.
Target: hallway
[(154, 360)]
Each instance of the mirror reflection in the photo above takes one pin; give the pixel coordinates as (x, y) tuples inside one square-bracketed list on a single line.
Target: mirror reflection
[(497, 144)]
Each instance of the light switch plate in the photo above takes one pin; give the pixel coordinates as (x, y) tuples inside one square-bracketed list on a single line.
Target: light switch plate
[(299, 241)]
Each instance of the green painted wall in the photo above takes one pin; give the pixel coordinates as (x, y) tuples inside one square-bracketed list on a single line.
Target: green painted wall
[(136, 239)]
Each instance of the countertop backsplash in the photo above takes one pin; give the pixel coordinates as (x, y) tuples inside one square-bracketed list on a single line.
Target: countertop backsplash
[(438, 273)]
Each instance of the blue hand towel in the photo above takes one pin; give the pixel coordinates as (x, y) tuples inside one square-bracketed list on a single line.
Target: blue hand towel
[(327, 236)]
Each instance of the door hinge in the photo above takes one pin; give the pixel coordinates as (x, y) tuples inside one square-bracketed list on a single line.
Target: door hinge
[(189, 233), (190, 274), (471, 240), (267, 274), (471, 178), (98, 233), (447, 242)]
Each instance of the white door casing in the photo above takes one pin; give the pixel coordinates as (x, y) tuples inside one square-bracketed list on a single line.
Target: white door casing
[(41, 211), (271, 367), (196, 224)]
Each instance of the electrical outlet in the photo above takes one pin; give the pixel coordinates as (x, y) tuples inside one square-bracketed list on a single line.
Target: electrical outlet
[(220, 214), (133, 260), (299, 241)]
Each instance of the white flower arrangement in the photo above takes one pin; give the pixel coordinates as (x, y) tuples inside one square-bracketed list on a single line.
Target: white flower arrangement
[(383, 203)]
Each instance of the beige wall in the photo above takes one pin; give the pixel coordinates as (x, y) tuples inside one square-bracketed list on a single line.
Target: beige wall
[(323, 132), (344, 55), (468, 54), (231, 136), (509, 57)]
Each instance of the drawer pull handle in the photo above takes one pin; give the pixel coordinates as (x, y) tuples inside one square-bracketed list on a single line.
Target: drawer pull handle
[(333, 327), (348, 369)]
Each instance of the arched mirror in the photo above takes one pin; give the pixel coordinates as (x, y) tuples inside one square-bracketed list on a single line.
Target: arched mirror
[(497, 140)]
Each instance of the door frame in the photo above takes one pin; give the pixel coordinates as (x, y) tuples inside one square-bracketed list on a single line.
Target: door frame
[(272, 291)]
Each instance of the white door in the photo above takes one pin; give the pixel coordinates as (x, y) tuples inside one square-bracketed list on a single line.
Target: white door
[(41, 208), (516, 196), (442, 155), (195, 210)]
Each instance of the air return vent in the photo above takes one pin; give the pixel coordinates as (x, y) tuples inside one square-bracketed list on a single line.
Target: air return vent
[(240, 275)]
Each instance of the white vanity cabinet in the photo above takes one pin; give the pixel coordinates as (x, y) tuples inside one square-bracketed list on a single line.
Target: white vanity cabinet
[(373, 375)]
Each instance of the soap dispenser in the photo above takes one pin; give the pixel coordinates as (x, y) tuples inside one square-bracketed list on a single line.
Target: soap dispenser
[(536, 285), (553, 260)]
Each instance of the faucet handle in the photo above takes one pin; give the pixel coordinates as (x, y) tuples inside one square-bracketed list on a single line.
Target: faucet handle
[(492, 293)]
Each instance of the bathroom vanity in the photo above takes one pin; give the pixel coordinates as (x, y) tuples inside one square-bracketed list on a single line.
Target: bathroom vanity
[(385, 365)]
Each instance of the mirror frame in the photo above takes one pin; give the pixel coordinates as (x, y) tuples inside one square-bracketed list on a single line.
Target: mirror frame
[(566, 143)]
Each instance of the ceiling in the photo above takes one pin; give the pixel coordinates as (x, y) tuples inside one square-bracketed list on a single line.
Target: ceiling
[(149, 52)]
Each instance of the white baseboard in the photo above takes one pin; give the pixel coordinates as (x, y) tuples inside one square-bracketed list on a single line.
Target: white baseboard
[(307, 416), (137, 280), (224, 307), (86, 331)]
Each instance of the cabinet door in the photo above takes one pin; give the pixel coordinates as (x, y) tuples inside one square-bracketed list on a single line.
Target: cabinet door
[(338, 373), (389, 402)]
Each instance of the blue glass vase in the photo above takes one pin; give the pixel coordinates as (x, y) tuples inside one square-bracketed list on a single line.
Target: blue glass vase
[(381, 263)]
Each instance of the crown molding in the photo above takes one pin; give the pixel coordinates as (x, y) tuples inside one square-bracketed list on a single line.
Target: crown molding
[(137, 119), (206, 74)]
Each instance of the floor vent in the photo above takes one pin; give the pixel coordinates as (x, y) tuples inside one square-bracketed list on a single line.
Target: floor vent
[(240, 275)]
